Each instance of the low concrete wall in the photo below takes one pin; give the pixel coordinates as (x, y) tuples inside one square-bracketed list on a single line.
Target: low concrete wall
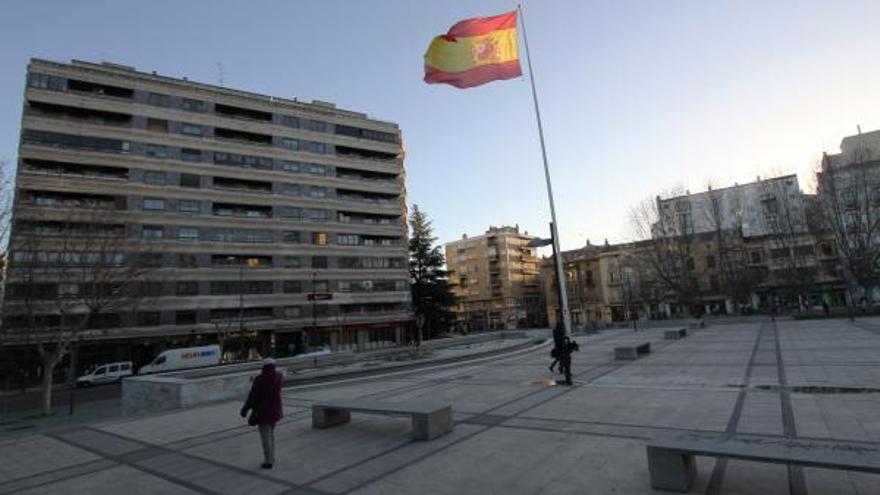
[(153, 393)]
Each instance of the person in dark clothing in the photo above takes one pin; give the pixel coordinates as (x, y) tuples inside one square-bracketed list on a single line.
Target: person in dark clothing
[(558, 342), (569, 346), (264, 402)]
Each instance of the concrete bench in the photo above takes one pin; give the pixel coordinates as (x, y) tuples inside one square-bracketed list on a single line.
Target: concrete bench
[(672, 467), (429, 419), (631, 352), (676, 334)]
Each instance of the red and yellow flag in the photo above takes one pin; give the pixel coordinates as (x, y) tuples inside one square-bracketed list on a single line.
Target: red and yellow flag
[(474, 52)]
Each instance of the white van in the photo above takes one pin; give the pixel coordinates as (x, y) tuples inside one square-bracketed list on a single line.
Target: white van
[(181, 359), (106, 373)]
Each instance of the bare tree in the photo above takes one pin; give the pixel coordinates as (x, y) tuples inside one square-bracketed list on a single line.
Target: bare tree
[(724, 212), (792, 250), (671, 243), (68, 279), (849, 195)]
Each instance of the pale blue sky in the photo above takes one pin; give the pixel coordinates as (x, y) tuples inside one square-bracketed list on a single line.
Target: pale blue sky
[(637, 97)]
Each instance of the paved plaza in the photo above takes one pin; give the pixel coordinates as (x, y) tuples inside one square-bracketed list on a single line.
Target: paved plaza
[(515, 430)]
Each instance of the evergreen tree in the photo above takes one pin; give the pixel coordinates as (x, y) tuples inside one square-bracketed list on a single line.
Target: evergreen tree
[(430, 292)]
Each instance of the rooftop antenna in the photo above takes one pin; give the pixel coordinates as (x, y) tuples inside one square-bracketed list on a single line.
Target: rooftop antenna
[(859, 128), (220, 73)]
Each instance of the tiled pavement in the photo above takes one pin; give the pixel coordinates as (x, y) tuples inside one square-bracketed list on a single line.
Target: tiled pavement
[(514, 432)]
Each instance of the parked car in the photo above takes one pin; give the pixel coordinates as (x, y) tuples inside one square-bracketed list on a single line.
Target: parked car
[(105, 373), (181, 359)]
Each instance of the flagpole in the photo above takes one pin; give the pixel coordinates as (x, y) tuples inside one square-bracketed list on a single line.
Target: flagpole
[(560, 275)]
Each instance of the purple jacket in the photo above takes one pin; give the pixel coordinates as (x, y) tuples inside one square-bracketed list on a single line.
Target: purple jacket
[(265, 397)]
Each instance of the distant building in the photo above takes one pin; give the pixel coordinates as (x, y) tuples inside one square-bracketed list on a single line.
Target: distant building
[(286, 218), (494, 278), (741, 206)]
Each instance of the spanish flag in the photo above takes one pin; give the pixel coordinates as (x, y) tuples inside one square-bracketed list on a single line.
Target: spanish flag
[(474, 52)]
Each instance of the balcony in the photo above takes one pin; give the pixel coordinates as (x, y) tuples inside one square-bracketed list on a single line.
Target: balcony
[(367, 197), (48, 167), (242, 136), (361, 175), (77, 114), (242, 113), (365, 154), (242, 185), (243, 211), (96, 89)]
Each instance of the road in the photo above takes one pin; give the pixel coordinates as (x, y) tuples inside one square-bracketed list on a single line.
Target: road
[(32, 399)]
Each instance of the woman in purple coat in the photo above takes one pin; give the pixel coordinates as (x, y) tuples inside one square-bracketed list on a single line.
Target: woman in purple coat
[(265, 401)]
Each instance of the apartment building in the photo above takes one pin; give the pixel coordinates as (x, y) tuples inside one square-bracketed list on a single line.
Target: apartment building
[(494, 278), (275, 223)]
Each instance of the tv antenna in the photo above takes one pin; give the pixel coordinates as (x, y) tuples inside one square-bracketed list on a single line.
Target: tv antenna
[(220, 73)]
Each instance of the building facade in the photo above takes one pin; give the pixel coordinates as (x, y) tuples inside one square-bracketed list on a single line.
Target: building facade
[(274, 223), (494, 278)]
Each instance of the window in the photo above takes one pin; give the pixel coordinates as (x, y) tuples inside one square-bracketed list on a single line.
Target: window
[(152, 232), (319, 148), (43, 81), (154, 204), (290, 121), (159, 100), (710, 261), (241, 235), (292, 286), (190, 129), (186, 317), (193, 105), (316, 169), (292, 236), (156, 151), (756, 256), (291, 212), (319, 262), (189, 205), (826, 249), (187, 260), (289, 143), (292, 262), (188, 233), (187, 288), (154, 178), (348, 239), (318, 216), (157, 125), (319, 238), (148, 319), (317, 192), (190, 180), (290, 189), (321, 286), (191, 155), (317, 126), (287, 166), (246, 161), (292, 311)]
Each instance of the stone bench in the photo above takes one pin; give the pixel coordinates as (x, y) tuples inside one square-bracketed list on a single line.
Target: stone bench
[(631, 352), (676, 334), (429, 419), (672, 467)]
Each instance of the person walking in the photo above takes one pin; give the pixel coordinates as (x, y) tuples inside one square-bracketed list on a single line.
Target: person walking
[(569, 346), (264, 404)]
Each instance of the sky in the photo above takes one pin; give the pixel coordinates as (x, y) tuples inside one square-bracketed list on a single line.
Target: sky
[(637, 97)]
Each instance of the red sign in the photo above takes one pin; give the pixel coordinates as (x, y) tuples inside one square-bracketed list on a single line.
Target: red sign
[(320, 296)]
